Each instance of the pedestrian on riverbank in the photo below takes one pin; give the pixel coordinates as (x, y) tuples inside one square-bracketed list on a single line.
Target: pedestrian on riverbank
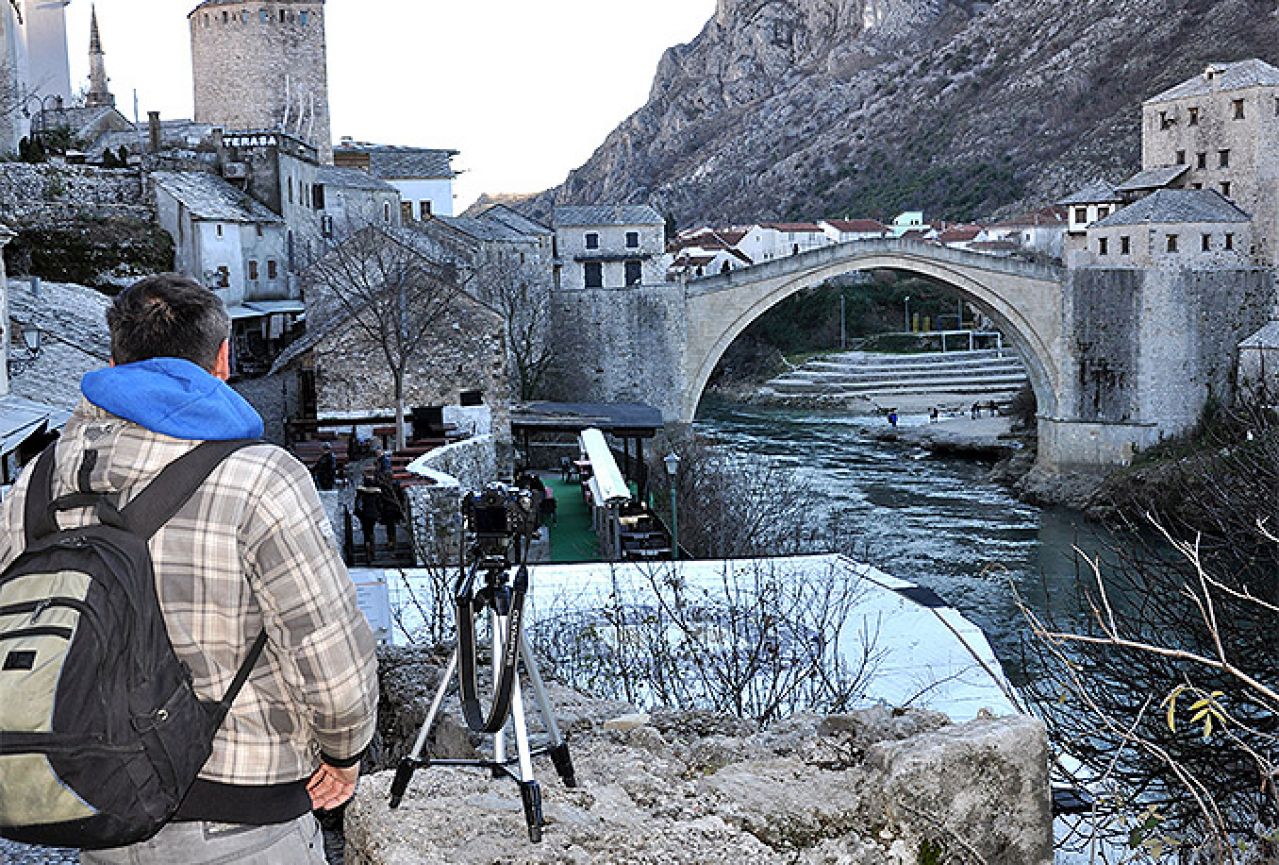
[(892, 418), (975, 413), (933, 414)]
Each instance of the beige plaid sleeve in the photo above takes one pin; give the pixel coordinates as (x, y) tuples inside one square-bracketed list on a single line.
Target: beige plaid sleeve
[(309, 609)]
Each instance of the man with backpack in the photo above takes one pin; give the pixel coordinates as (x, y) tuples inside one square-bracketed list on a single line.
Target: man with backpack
[(256, 603)]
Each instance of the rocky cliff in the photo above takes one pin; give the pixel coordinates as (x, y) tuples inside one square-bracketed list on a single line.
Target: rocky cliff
[(810, 108)]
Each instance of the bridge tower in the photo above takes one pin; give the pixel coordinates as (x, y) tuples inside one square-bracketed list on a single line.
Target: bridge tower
[(263, 66)]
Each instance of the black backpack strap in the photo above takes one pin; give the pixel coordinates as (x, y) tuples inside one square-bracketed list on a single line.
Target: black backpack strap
[(37, 520), (219, 709), (172, 487)]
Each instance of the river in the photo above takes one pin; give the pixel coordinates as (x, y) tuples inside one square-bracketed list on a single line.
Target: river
[(938, 522)]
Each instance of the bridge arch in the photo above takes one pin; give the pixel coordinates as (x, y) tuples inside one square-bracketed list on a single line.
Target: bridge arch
[(1023, 299)]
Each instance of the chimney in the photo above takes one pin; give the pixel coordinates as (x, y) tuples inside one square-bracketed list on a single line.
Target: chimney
[(153, 130)]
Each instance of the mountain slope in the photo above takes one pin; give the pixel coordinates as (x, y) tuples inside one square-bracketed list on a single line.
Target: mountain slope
[(809, 108)]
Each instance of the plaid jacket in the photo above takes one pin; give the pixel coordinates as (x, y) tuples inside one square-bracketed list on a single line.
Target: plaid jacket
[(251, 549)]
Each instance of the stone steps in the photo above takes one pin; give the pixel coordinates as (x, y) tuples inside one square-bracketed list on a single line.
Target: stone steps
[(861, 374)]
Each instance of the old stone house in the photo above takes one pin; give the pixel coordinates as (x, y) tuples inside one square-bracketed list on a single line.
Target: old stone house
[(609, 246), (1173, 228)]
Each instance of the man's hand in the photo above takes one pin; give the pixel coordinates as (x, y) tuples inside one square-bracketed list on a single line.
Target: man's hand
[(330, 786)]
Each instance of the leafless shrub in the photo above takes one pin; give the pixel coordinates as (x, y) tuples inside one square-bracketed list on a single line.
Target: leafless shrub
[(759, 642)]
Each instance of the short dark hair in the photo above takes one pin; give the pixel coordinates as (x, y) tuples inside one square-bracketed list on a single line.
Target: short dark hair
[(168, 315)]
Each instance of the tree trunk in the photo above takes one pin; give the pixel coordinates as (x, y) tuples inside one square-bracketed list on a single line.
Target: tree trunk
[(401, 432)]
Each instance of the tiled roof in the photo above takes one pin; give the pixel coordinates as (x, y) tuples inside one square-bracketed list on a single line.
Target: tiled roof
[(396, 162), (1097, 192), (1152, 178), (856, 226), (485, 229), (1045, 216), (351, 178), (959, 233), (607, 214), (1223, 76), (795, 227), (210, 197), (514, 220), (75, 339), (1267, 337), (1167, 206)]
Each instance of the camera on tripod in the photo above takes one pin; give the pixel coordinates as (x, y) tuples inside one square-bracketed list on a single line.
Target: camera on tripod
[(498, 522), (495, 517)]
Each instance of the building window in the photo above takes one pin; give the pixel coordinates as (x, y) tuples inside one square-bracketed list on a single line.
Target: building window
[(1225, 188), (226, 16), (290, 190), (244, 17), (1229, 241), (258, 228), (634, 272), (281, 16), (272, 269), (424, 207), (224, 277), (1201, 160), (264, 17), (386, 212), (304, 17), (1103, 245), (1125, 245), (1223, 158), (317, 196), (632, 240), (1103, 211), (1181, 157), (219, 229), (594, 273), (1192, 116), (1172, 243), (1164, 120), (1196, 186), (253, 269), (592, 240), (1205, 242), (406, 211), (1081, 214), (1237, 105)]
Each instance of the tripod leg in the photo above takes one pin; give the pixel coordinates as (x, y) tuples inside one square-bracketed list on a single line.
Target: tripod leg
[(559, 748), (408, 765), (530, 792), (498, 625)]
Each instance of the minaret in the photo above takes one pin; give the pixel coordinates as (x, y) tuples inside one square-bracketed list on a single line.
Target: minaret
[(98, 96)]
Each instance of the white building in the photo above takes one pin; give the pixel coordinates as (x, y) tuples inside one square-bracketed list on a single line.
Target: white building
[(909, 221), (792, 238), (223, 238), (847, 230), (1040, 230), (609, 246), (1084, 207), (423, 176)]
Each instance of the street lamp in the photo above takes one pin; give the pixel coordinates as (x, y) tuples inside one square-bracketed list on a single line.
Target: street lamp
[(672, 469), (907, 302)]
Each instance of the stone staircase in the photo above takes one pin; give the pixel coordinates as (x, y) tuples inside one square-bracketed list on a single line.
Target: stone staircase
[(865, 375)]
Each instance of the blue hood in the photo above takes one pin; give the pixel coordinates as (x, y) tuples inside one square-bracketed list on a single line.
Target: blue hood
[(173, 397)]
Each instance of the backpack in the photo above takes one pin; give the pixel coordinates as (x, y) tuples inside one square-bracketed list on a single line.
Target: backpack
[(101, 732)]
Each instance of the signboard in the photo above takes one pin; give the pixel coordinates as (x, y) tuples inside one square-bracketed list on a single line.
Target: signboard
[(374, 600)]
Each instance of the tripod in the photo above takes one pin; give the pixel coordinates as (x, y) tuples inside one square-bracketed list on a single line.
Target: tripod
[(504, 604)]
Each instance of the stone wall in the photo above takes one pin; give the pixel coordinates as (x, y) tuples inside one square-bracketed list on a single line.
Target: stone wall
[(871, 787), (1146, 351), (621, 345), (456, 469), (49, 194)]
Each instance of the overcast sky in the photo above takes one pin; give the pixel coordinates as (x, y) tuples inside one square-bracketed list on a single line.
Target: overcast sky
[(525, 90)]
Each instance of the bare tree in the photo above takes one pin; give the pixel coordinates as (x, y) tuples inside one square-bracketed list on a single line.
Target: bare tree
[(1167, 689), (520, 291), (396, 287)]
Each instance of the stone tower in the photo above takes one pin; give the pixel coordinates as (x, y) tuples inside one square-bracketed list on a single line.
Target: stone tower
[(262, 65), (99, 95)]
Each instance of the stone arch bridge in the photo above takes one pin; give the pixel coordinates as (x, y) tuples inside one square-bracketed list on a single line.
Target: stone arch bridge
[(1117, 358)]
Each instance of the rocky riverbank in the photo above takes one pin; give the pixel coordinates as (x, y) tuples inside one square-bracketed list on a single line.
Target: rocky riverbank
[(882, 786)]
